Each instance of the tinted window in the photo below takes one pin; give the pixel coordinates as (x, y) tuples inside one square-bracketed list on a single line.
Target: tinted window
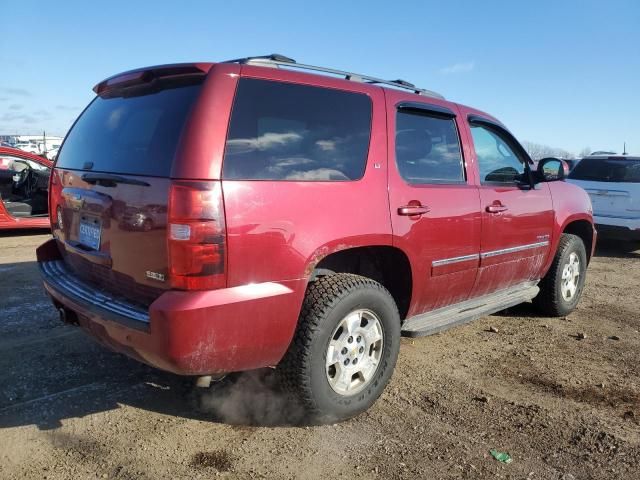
[(428, 148), (607, 170), (283, 131), (134, 135), (497, 161)]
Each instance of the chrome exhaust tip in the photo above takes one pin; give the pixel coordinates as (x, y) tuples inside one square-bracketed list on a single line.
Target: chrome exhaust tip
[(205, 381)]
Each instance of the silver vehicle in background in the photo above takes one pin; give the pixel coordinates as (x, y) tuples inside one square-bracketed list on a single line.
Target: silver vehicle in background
[(613, 183)]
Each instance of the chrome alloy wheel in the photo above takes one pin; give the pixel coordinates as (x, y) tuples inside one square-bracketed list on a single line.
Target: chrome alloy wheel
[(354, 352), (570, 277)]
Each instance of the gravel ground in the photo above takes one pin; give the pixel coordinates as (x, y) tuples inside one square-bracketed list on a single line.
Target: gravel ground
[(560, 395)]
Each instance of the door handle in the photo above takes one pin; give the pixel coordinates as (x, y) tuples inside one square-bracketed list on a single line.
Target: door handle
[(497, 208), (411, 210)]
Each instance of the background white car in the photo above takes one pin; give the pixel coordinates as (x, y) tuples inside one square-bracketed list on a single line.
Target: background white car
[(28, 147), (613, 183), (53, 153)]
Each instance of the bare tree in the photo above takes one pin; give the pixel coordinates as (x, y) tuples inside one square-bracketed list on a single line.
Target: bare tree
[(585, 152), (537, 151)]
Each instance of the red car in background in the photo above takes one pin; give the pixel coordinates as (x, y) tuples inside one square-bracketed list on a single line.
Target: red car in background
[(24, 184)]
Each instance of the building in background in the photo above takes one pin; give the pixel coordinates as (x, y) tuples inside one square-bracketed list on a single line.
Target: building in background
[(38, 144)]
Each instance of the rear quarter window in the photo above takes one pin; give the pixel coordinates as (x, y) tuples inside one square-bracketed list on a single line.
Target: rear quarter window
[(283, 131), (133, 134)]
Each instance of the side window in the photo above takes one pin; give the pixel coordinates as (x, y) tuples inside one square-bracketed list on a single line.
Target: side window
[(284, 131), (428, 148), (497, 161), (18, 164)]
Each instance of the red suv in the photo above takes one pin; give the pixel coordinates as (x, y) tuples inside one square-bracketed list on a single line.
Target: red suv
[(220, 217)]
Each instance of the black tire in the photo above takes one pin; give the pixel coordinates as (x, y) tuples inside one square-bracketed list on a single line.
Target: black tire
[(550, 300), (303, 373)]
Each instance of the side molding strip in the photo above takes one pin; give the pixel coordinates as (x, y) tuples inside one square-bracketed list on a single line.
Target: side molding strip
[(519, 248), (449, 261), (492, 253)]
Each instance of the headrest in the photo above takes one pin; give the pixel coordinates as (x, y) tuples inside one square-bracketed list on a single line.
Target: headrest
[(413, 144)]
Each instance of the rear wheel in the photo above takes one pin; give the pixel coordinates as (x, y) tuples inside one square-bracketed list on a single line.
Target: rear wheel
[(344, 349), (561, 288)]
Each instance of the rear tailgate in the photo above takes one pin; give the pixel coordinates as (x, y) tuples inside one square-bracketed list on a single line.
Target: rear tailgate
[(110, 236), (110, 187)]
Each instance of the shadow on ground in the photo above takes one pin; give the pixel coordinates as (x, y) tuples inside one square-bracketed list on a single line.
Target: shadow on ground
[(248, 399), (23, 233), (50, 372)]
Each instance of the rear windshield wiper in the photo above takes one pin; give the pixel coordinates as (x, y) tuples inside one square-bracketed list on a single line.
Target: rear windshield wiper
[(109, 180)]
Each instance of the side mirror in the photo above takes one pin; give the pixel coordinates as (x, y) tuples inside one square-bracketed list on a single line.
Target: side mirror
[(552, 169)]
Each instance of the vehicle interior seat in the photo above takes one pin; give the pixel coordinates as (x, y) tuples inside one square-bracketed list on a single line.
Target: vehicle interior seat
[(18, 209), (412, 149)]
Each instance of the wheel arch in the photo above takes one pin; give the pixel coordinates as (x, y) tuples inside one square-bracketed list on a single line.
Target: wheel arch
[(583, 229), (385, 264)]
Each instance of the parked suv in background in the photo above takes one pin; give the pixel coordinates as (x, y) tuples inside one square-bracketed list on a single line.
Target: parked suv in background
[(310, 222), (613, 183)]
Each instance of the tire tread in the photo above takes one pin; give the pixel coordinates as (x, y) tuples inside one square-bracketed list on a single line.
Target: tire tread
[(322, 295), (548, 300)]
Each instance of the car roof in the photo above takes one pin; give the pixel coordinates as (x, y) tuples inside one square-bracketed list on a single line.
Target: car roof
[(16, 152), (614, 157), (281, 61), (298, 70)]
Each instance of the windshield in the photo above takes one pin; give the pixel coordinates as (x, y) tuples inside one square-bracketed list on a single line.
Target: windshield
[(607, 170), (131, 134)]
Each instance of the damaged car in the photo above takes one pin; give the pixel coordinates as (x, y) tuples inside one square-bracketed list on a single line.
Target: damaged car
[(24, 187)]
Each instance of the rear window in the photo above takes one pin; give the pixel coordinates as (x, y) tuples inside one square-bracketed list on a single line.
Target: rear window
[(133, 134), (607, 170), (282, 131)]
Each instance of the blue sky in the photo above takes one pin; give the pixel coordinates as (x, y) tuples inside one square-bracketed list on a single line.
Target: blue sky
[(561, 73)]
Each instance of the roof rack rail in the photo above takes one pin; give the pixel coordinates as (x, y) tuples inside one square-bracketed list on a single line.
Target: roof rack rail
[(404, 82), (278, 60)]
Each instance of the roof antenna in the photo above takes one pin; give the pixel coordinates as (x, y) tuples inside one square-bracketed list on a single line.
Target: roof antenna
[(624, 149)]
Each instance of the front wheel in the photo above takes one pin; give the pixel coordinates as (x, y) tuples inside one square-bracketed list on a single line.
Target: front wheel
[(344, 349), (561, 288)]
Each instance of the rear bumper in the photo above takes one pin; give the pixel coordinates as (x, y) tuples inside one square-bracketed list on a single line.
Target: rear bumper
[(618, 228), (188, 333)]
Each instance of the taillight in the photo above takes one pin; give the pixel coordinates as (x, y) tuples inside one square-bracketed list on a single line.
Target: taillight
[(55, 207), (196, 236)]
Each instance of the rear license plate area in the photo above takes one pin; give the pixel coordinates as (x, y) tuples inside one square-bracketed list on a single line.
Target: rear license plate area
[(90, 232)]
